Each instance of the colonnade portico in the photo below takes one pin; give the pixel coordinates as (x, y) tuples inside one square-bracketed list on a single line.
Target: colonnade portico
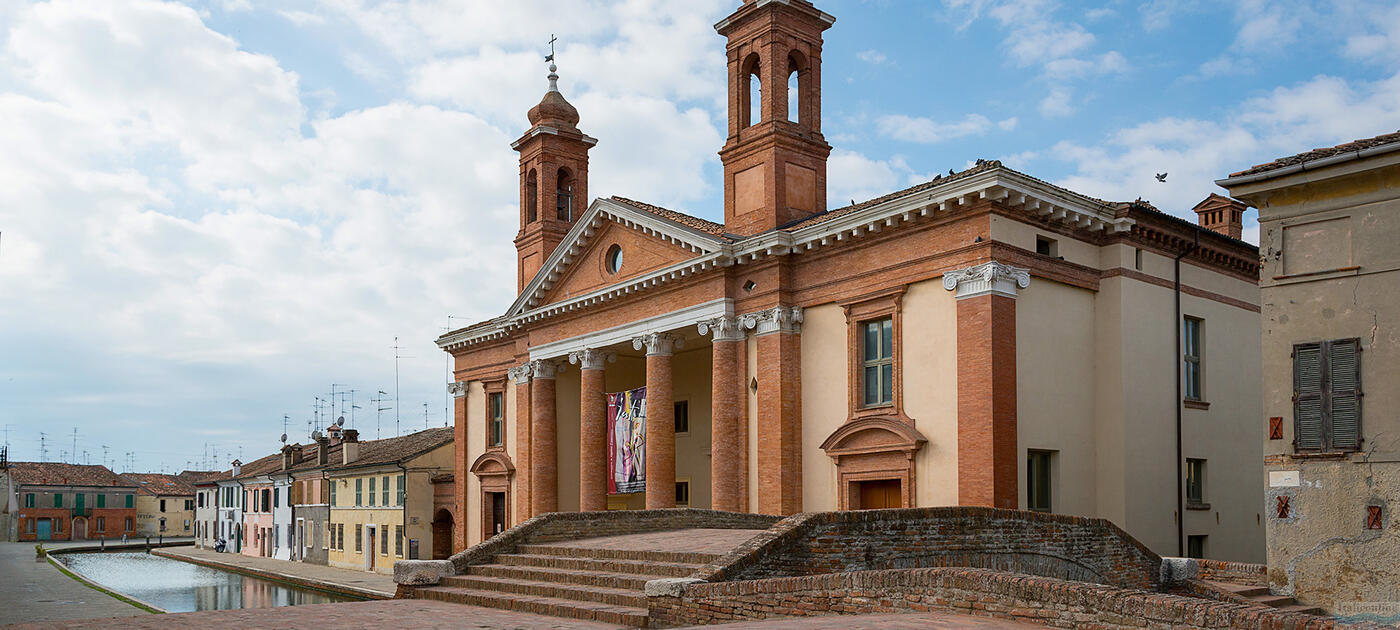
[(539, 431)]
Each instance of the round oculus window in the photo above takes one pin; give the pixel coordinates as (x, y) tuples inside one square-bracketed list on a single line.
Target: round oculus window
[(614, 259)]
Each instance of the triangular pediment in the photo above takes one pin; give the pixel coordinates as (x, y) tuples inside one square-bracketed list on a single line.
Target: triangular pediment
[(648, 243)]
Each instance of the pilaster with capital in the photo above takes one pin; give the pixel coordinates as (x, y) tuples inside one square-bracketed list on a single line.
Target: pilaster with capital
[(658, 344), (723, 328), (520, 376), (592, 358), (593, 429), (992, 278), (779, 319), (660, 420), (728, 411)]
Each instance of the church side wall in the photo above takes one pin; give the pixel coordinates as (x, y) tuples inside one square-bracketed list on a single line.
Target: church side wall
[(824, 402), (930, 319), (475, 446)]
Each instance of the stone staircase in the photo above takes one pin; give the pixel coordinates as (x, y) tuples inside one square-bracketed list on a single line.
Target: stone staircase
[(1261, 595), (595, 584)]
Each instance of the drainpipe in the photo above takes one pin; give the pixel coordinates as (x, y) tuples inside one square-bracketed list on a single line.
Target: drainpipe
[(404, 508), (1177, 365)]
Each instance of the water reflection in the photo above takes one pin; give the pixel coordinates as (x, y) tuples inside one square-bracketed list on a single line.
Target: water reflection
[(183, 587)]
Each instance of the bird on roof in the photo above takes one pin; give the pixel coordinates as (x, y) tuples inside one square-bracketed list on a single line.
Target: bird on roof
[(1161, 177)]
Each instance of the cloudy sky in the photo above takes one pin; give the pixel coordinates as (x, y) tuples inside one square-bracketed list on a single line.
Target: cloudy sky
[(211, 212)]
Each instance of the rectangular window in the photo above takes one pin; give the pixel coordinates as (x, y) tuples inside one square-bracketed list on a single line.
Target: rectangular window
[(498, 417), (1046, 246), (682, 417), (384, 489), (162, 505), (1195, 481), (57, 500), (683, 493), (1195, 546), (332, 485), (1191, 357), (189, 504), (399, 480), (359, 491), (371, 490), (877, 354), (340, 536), (102, 500), (58, 526), (130, 500), (29, 500), (101, 524), (1137, 259), (383, 542), (1039, 480), (359, 539), (1327, 395), (398, 540)]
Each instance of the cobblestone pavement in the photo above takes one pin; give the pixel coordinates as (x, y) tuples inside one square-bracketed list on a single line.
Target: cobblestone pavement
[(372, 584), (715, 541), (31, 590), (416, 614)]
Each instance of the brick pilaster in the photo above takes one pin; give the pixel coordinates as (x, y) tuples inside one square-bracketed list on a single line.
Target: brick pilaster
[(521, 376), (593, 445), (461, 465), (660, 421), (780, 423), (728, 475), (544, 458)]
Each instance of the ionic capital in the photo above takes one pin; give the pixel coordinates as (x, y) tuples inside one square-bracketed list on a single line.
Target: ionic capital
[(458, 389), (521, 373), (547, 368), (987, 278), (724, 327), (780, 319), (658, 344), (591, 359)]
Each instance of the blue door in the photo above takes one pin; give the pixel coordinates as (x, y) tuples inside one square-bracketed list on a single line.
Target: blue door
[(45, 529)]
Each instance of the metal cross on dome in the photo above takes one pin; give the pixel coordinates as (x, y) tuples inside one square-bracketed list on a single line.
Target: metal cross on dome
[(552, 39)]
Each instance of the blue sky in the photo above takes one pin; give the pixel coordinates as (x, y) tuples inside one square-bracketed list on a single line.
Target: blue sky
[(211, 212)]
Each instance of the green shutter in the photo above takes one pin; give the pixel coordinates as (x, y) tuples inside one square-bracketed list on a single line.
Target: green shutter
[(1344, 377), (1307, 396), (102, 500), (130, 500)]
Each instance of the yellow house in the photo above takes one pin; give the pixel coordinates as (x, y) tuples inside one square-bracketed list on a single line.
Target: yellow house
[(164, 505), (381, 499)]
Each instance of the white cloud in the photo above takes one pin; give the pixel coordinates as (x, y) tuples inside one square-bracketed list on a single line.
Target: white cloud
[(1008, 124), (302, 18), (873, 57), (852, 176), (1057, 104), (927, 130)]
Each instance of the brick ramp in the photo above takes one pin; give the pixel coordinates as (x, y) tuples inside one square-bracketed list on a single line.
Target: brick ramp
[(1261, 595), (578, 582)]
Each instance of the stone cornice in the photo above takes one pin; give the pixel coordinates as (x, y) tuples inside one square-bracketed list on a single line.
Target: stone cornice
[(987, 278)]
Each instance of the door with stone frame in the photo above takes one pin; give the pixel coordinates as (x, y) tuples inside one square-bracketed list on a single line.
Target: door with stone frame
[(880, 494)]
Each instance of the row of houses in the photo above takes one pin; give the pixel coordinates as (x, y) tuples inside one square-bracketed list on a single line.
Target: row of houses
[(336, 501), (60, 501)]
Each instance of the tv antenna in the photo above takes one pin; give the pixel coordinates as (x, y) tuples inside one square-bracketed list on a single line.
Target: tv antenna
[(285, 419), (397, 356), (378, 400), (75, 445), (43, 447)]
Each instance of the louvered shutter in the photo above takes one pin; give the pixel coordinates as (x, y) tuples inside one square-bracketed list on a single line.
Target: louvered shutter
[(1307, 396), (1344, 378)]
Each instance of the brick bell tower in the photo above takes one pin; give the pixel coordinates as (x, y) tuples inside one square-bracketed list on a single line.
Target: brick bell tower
[(774, 159), (553, 179)]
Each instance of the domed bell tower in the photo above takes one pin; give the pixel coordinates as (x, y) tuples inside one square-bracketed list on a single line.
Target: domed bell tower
[(553, 179), (775, 155)]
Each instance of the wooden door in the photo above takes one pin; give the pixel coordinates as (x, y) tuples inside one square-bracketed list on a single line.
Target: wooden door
[(498, 513), (882, 494), (371, 550)]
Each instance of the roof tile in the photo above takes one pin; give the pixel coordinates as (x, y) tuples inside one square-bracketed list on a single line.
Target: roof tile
[(1317, 154), (61, 474)]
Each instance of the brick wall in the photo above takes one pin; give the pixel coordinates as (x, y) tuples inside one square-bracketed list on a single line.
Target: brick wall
[(1051, 545), (1245, 573), (1025, 598), (575, 525)]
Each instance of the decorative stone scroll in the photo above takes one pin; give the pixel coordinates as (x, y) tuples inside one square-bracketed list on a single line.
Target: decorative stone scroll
[(988, 278), (521, 373), (779, 319), (547, 368), (724, 327), (591, 358), (658, 344), (458, 389)]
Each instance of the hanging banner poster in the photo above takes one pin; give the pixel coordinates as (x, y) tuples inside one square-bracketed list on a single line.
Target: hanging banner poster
[(627, 440)]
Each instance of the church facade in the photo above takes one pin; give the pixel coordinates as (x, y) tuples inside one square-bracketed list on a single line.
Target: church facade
[(984, 338)]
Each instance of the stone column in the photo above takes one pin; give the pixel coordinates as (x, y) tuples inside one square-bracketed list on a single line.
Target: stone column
[(661, 420), (779, 408), (987, 444), (593, 430), (728, 420), (461, 462), (544, 428), (520, 375)]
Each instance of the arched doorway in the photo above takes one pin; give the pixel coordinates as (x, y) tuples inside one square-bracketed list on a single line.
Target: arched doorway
[(442, 534), (80, 528), (874, 459)]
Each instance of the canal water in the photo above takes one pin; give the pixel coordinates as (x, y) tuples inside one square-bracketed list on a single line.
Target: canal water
[(183, 587)]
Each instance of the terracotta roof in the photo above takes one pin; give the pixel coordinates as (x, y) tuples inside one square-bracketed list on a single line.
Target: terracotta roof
[(158, 484), (196, 476), (261, 466), (693, 222), (1317, 154), (61, 474), (398, 449), (1140, 205)]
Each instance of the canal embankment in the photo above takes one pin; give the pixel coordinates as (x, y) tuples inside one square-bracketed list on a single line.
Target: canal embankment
[(359, 584)]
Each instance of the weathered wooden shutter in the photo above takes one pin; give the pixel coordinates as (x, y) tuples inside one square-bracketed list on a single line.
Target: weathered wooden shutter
[(1344, 378), (1307, 396)]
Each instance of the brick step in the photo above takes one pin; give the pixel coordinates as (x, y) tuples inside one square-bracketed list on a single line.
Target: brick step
[(1301, 608), (1241, 589), (565, 576), (572, 609), (1275, 601), (577, 592), (635, 567), (686, 557)]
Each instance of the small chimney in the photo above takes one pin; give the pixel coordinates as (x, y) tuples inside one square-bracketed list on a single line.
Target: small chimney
[(297, 454), (237, 468), (1222, 215), (350, 447), (286, 456), (323, 446), (333, 432)]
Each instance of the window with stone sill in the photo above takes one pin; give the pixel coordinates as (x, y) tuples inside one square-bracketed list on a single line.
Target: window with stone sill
[(874, 339), (496, 418), (877, 366)]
